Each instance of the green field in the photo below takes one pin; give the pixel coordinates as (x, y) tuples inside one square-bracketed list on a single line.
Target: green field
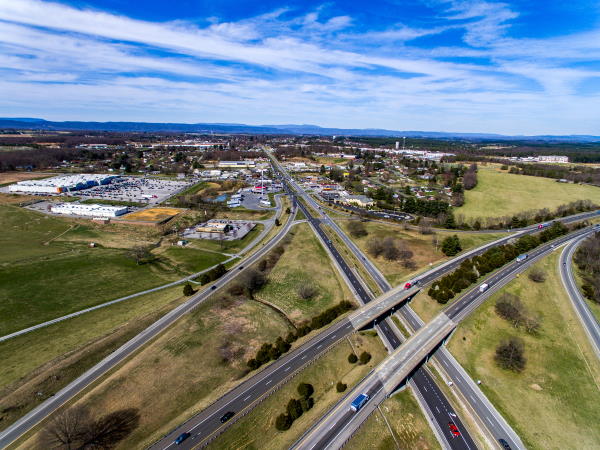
[(257, 429), (555, 402), (59, 353), (405, 418), (48, 269), (499, 193), (304, 262)]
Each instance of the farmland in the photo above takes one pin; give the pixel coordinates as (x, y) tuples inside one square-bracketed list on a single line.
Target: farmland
[(499, 193)]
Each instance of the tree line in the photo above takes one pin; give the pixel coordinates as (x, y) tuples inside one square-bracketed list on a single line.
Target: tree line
[(471, 269), (588, 261)]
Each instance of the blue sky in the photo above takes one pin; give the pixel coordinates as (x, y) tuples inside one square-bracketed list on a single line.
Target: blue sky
[(518, 67)]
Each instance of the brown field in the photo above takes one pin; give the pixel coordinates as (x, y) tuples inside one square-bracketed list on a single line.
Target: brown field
[(153, 214), (13, 177)]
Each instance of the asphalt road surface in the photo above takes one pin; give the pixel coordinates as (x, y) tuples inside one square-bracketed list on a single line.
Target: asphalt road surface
[(587, 318), (438, 406)]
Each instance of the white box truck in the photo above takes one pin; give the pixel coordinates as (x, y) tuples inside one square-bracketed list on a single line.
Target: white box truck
[(483, 287)]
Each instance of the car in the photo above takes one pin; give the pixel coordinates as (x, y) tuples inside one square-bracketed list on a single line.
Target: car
[(228, 415), (407, 285), (182, 437), (453, 429), (212, 288), (504, 444)]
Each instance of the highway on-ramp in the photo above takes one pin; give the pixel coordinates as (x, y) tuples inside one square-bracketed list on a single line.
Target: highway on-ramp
[(587, 318)]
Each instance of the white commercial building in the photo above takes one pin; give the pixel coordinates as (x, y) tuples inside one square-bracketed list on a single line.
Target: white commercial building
[(61, 184), (553, 159), (92, 210)]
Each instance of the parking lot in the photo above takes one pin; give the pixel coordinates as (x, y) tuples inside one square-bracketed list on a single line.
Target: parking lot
[(238, 229), (135, 189)]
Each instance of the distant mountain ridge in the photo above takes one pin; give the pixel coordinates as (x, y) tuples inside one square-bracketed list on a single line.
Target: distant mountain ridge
[(292, 129)]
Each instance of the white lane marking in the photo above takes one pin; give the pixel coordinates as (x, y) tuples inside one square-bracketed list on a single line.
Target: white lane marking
[(268, 382), (246, 398)]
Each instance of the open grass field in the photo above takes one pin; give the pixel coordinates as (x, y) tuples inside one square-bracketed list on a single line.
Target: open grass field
[(422, 246), (403, 415), (152, 214), (257, 429), (499, 193), (304, 262), (555, 402), (13, 177), (47, 270), (45, 360), (186, 368)]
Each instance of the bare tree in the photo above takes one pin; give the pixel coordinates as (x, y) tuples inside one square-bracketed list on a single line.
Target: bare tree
[(537, 275), (140, 254), (510, 355), (66, 429), (307, 291), (357, 229)]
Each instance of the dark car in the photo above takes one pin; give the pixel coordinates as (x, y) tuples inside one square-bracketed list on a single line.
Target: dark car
[(182, 437), (453, 429), (227, 416), (504, 444)]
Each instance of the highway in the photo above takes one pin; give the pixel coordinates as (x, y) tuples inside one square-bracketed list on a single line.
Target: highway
[(39, 413), (339, 423), (587, 318), (432, 399)]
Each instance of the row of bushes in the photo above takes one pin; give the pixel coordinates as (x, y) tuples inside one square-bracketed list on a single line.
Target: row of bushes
[(296, 407), (213, 274), (272, 351), (588, 262), (473, 268)]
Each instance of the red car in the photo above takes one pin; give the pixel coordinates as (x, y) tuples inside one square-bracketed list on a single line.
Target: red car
[(453, 429), (407, 285)]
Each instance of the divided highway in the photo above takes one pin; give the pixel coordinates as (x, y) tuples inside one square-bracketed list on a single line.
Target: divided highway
[(340, 422)]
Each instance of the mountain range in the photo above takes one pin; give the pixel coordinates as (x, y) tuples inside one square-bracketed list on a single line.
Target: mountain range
[(24, 123)]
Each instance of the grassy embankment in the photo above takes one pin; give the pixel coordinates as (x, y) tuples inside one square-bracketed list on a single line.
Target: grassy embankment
[(257, 429), (48, 270), (222, 334), (403, 426), (499, 193), (304, 262), (555, 401), (422, 246)]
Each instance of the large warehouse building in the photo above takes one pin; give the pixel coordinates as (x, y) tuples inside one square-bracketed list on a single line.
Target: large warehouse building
[(61, 184), (92, 210)]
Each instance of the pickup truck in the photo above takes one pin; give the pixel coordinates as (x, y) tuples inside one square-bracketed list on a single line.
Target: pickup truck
[(359, 402)]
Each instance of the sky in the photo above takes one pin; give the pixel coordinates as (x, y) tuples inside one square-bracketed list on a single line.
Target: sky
[(513, 67)]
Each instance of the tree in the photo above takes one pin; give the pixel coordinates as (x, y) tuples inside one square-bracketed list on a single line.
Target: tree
[(451, 245), (283, 422), (66, 429), (537, 275), (375, 246), (252, 281), (357, 229), (341, 387), (288, 210), (140, 254), (449, 222), (352, 358), (307, 291), (188, 289), (509, 355), (510, 308), (365, 357), (277, 222), (294, 409), (305, 390), (307, 403)]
